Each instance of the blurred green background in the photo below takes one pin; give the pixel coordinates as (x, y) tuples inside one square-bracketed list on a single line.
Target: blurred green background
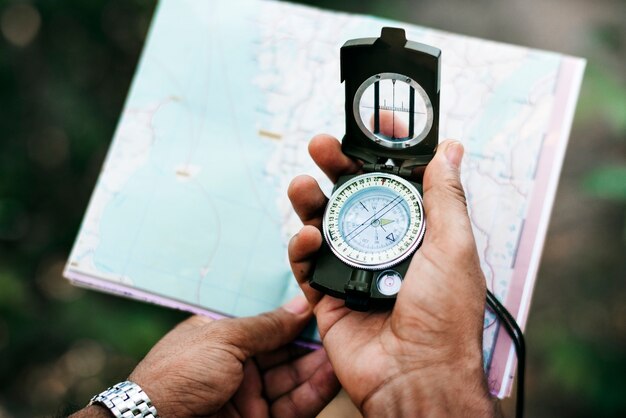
[(65, 68)]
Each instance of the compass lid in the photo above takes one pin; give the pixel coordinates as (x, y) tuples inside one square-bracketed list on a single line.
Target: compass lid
[(392, 99)]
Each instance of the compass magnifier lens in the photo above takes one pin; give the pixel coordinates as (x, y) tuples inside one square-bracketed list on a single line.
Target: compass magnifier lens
[(393, 110)]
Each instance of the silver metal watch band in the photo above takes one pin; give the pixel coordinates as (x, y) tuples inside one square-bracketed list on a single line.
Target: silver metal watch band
[(126, 400)]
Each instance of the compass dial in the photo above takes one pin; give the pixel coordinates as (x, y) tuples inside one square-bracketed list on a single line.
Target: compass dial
[(393, 110), (374, 221)]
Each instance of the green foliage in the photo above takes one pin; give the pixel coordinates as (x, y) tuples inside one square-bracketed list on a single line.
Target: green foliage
[(603, 97), (14, 293), (607, 182), (585, 369)]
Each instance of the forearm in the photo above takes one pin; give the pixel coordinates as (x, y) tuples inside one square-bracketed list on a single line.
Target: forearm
[(92, 411)]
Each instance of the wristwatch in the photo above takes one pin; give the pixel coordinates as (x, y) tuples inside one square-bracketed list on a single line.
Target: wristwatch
[(126, 400)]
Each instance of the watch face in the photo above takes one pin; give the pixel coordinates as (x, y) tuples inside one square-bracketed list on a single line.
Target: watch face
[(374, 221), (393, 110)]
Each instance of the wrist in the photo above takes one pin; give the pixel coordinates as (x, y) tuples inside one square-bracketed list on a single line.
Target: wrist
[(92, 411), (124, 399), (173, 397), (436, 392), (160, 397)]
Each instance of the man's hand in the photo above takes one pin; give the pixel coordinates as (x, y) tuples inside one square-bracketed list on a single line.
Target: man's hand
[(240, 367), (423, 358)]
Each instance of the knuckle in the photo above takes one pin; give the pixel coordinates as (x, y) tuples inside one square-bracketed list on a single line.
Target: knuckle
[(225, 332), (455, 190), (293, 373), (466, 250), (272, 323), (461, 247), (198, 320), (457, 246), (288, 408)]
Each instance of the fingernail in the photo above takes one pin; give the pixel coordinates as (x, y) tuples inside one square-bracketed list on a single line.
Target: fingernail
[(297, 305), (454, 153)]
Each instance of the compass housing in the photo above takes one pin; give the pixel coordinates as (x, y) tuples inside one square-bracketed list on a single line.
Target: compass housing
[(392, 125), (413, 63)]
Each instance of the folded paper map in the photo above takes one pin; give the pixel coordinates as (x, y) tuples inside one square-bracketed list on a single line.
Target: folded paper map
[(191, 210)]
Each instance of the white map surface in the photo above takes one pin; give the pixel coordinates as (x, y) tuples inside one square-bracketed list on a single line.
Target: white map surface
[(191, 209)]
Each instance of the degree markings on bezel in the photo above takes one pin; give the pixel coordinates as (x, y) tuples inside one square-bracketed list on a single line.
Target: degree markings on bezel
[(410, 234)]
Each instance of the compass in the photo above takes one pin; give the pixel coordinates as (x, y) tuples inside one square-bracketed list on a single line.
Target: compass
[(374, 222)]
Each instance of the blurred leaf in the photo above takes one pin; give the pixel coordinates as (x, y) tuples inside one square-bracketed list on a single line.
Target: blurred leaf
[(608, 182), (13, 292), (585, 369), (144, 324), (571, 367), (603, 97), (12, 219), (608, 36)]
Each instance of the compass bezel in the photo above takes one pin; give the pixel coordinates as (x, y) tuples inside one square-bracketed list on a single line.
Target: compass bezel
[(326, 224)]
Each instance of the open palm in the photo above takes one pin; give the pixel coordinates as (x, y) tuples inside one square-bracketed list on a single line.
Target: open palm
[(429, 346)]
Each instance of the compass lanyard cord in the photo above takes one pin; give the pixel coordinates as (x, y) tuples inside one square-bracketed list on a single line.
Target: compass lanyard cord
[(514, 331)]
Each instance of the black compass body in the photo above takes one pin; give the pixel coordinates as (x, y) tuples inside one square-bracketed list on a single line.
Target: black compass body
[(374, 221)]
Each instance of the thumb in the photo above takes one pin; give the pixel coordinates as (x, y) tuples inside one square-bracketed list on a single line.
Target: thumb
[(270, 330), (444, 199)]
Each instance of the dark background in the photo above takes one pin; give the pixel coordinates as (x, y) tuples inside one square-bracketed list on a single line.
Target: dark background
[(65, 67)]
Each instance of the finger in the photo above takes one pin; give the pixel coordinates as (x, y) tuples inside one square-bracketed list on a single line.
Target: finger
[(307, 199), (284, 354), (417, 174), (447, 262), (248, 399), (302, 250), (268, 331), (390, 124), (326, 152), (308, 399), (448, 224), (286, 377)]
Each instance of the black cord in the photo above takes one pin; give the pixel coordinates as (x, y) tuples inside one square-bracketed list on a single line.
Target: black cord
[(516, 335)]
